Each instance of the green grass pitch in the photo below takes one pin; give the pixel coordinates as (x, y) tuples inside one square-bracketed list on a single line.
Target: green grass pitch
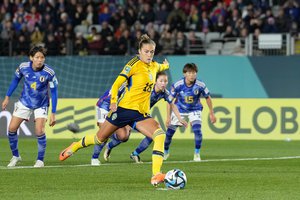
[(231, 169)]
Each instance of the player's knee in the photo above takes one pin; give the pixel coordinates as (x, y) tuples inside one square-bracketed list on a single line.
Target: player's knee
[(158, 132)]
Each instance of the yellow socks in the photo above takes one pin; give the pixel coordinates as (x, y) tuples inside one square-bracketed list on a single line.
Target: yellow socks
[(159, 137), (85, 141)]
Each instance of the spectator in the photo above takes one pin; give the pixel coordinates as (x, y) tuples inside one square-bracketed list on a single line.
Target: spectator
[(146, 15), (81, 45), (177, 18)]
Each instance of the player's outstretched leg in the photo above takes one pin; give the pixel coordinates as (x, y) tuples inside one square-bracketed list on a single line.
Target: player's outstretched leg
[(75, 146), (169, 134)]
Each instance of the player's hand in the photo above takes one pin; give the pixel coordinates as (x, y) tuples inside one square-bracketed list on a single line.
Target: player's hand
[(5, 103), (113, 107), (166, 62), (52, 119), (183, 122), (213, 118)]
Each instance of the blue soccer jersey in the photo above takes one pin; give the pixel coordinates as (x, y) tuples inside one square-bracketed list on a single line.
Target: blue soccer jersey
[(155, 97), (36, 83), (188, 98), (104, 100)]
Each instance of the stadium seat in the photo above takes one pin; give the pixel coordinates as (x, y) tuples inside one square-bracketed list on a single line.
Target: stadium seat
[(81, 28), (211, 36)]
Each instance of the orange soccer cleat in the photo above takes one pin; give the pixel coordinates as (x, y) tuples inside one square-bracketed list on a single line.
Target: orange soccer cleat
[(157, 179), (66, 153)]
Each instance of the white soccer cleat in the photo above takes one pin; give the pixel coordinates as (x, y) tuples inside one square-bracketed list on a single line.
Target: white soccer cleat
[(166, 156), (95, 162), (135, 158), (106, 154), (197, 157), (39, 164), (13, 161)]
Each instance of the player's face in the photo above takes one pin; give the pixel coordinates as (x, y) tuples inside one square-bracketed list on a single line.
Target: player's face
[(162, 82), (190, 77), (147, 53), (37, 60)]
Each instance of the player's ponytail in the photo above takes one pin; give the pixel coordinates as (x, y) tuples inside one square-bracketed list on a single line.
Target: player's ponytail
[(145, 39)]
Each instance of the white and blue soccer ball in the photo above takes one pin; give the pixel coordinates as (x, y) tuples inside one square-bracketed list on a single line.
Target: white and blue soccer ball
[(175, 179)]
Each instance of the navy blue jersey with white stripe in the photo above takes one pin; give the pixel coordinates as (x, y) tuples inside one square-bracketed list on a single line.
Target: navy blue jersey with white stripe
[(188, 98), (36, 83)]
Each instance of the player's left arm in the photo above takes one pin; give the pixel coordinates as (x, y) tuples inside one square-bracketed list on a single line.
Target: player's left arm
[(211, 110), (53, 89), (164, 66)]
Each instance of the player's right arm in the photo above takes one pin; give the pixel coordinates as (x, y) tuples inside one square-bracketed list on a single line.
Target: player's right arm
[(123, 76), (12, 87)]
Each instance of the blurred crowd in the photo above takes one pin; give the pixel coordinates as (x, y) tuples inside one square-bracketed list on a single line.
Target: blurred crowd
[(105, 27)]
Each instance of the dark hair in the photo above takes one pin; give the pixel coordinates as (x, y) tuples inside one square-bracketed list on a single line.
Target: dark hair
[(190, 67), (161, 74), (36, 49), (144, 39)]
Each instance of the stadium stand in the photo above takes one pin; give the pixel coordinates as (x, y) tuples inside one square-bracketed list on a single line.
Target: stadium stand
[(120, 21)]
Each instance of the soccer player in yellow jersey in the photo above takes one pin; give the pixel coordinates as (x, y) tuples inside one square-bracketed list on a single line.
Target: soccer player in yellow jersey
[(133, 107)]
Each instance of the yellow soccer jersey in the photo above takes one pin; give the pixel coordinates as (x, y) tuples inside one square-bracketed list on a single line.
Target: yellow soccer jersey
[(141, 79)]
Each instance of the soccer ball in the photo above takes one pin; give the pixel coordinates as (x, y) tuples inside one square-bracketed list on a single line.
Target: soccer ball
[(175, 179), (73, 127)]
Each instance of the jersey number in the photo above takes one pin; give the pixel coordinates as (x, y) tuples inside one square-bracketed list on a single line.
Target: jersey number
[(148, 87), (33, 85), (189, 99)]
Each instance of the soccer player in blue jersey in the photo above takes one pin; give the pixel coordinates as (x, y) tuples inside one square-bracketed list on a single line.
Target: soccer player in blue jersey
[(186, 93), (38, 77), (159, 92)]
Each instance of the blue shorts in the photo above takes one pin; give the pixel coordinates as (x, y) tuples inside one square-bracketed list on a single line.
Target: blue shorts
[(123, 117)]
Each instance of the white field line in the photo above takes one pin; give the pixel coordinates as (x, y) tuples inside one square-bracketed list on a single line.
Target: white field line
[(165, 162)]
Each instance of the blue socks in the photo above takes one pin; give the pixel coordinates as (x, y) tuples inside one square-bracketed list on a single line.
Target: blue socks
[(169, 134), (142, 146), (97, 149), (196, 126), (114, 141), (42, 142), (13, 143)]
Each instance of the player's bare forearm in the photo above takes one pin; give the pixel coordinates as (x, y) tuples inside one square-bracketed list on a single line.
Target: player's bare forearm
[(52, 119), (177, 114), (211, 110), (5, 102)]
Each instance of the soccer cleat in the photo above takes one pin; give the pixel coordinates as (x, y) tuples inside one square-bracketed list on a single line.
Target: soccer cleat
[(106, 154), (95, 162), (166, 156), (39, 164), (197, 157), (13, 161), (157, 179), (135, 158), (66, 153)]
